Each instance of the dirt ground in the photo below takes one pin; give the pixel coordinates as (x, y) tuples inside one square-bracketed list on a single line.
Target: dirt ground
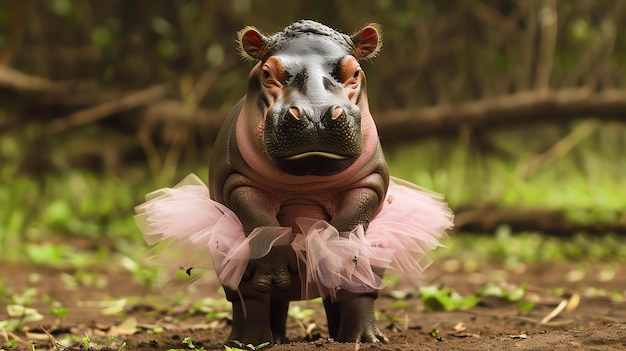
[(596, 323)]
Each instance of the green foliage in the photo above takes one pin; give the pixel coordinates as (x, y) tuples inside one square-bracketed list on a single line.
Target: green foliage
[(445, 299), (87, 342), (19, 315), (588, 180), (296, 312), (190, 346), (242, 347), (75, 204), (189, 342), (513, 295), (20, 311), (58, 310), (513, 248)]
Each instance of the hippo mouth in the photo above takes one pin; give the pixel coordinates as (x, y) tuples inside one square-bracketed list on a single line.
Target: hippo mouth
[(320, 163), (327, 155)]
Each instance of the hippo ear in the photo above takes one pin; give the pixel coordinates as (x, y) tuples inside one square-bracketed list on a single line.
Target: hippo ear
[(367, 42), (252, 43)]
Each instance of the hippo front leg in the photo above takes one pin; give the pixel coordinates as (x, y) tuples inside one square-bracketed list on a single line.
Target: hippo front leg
[(351, 316), (252, 311), (254, 209)]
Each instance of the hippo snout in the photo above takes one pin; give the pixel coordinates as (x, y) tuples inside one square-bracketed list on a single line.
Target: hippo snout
[(320, 141), (332, 113)]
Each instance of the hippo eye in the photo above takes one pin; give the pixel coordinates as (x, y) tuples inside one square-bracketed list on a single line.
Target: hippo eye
[(266, 73), (356, 73)]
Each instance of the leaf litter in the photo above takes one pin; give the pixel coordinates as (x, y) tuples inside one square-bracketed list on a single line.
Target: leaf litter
[(123, 315)]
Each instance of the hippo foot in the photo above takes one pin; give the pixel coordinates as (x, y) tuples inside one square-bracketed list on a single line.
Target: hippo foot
[(369, 334), (354, 320), (250, 318), (244, 334), (257, 318)]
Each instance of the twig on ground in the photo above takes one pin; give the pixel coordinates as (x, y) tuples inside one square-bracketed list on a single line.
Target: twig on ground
[(52, 340), (555, 312)]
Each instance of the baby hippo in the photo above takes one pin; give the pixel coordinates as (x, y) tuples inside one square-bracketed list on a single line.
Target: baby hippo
[(300, 203)]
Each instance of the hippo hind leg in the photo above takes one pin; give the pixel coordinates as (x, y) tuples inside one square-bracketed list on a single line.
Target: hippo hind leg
[(278, 319)]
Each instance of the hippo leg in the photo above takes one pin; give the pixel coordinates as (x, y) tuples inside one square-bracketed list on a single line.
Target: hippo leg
[(278, 319), (332, 317), (357, 321), (251, 316)]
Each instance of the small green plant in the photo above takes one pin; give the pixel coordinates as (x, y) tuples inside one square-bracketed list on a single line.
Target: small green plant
[(445, 299), (19, 316), (514, 295), (189, 342), (19, 311), (435, 334), (13, 343), (190, 346), (242, 347), (58, 310), (87, 342)]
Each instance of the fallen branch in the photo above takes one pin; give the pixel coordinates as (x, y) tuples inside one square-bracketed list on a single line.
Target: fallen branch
[(526, 107), (209, 121), (125, 103), (551, 222), (24, 83)]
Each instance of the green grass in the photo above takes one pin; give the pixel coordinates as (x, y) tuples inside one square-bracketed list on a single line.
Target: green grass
[(533, 247), (590, 175)]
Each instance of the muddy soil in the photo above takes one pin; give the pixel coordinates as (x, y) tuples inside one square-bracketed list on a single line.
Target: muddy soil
[(149, 320)]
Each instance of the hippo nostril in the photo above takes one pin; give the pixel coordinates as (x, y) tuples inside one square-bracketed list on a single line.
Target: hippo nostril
[(295, 112), (336, 112)]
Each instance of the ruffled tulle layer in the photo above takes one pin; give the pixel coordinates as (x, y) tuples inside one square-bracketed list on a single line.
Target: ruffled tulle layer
[(189, 230)]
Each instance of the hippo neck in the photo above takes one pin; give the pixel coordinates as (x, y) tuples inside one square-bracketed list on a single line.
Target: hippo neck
[(265, 172)]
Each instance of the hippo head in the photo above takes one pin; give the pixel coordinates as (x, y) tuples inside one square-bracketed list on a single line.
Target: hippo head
[(306, 96)]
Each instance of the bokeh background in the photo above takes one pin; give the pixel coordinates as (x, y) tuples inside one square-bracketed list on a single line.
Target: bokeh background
[(514, 110)]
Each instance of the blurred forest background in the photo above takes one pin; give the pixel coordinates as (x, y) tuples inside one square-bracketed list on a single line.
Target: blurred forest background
[(514, 110)]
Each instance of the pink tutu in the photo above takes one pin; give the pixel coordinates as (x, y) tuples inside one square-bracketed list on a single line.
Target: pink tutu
[(181, 223)]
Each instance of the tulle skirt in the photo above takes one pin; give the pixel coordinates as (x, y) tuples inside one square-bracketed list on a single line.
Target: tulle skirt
[(189, 230)]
